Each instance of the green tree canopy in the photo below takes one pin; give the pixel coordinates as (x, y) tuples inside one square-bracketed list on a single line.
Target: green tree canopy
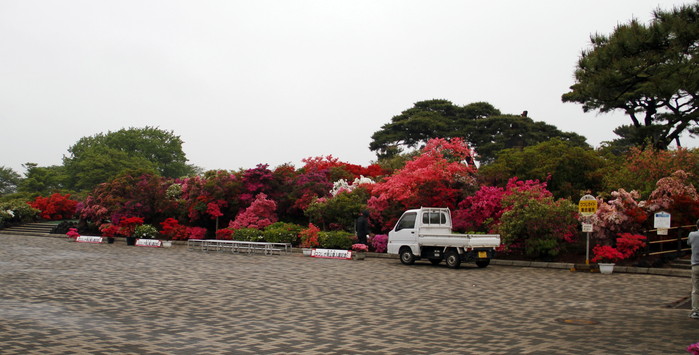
[(101, 157), (567, 169), (42, 180), (485, 128), (648, 71)]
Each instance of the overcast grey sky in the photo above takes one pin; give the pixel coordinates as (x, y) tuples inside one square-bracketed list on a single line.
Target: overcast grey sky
[(249, 82)]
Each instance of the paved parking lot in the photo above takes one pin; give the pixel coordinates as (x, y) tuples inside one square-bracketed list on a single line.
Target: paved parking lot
[(63, 297)]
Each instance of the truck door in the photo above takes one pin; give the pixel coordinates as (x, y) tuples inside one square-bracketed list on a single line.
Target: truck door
[(405, 229)]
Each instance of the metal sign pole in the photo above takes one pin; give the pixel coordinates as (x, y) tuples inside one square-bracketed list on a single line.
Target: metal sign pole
[(587, 250)]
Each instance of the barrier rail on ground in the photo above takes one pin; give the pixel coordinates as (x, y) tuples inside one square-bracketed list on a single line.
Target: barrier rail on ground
[(239, 246)]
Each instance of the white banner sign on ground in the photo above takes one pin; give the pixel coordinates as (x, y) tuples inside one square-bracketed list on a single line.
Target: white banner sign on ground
[(331, 253), (154, 243), (88, 239)]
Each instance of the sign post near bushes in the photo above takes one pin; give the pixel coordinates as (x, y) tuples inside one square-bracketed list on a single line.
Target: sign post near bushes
[(587, 207)]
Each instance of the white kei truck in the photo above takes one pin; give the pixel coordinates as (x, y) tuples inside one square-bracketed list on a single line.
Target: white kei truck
[(426, 233)]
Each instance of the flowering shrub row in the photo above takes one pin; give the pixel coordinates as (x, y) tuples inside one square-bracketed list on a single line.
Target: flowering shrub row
[(249, 204)]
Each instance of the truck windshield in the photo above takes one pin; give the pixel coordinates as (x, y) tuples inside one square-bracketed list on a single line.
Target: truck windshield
[(407, 221)]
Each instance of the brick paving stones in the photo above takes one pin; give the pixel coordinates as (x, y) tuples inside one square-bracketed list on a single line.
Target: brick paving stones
[(63, 297)]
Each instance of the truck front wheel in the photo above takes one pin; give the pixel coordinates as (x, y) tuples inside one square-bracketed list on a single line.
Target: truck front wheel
[(452, 259), (406, 256), (482, 262)]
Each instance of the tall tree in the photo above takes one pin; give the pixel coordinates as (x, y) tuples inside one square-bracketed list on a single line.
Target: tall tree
[(100, 157), (8, 180), (479, 123), (648, 71)]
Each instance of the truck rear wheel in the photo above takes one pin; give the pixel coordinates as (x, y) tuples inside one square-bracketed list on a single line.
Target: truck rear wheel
[(453, 259), (406, 256), (482, 262)]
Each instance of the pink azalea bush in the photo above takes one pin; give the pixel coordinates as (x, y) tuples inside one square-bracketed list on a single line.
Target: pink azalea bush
[(379, 243), (360, 247), (623, 213), (260, 214)]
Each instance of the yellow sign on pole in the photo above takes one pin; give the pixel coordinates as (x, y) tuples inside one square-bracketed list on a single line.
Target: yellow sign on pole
[(587, 206)]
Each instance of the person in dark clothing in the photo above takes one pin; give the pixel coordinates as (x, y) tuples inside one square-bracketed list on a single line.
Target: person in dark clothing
[(362, 227)]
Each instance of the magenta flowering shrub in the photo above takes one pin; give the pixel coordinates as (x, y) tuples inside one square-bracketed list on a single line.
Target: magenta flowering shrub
[(379, 243), (479, 212), (482, 211), (254, 182), (260, 214)]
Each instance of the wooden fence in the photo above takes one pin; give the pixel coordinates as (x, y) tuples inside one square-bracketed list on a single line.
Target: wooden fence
[(675, 242)]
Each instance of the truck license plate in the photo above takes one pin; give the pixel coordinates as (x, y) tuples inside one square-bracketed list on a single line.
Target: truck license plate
[(482, 254)]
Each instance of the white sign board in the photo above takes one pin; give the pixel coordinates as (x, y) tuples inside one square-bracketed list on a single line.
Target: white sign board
[(662, 220), (331, 253), (587, 227), (155, 243), (88, 239)]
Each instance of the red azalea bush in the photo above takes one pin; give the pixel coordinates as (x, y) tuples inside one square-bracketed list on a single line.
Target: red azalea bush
[(196, 232), (73, 233), (55, 207), (216, 194), (128, 225), (606, 253), (109, 230), (172, 229), (309, 237), (436, 177), (224, 234), (626, 246)]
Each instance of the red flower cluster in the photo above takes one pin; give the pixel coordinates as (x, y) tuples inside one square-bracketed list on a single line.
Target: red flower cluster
[(172, 229), (55, 207), (626, 246)]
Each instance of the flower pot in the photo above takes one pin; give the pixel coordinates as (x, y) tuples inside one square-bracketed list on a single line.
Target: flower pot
[(167, 243), (130, 240), (606, 268), (110, 240), (358, 255), (306, 251)]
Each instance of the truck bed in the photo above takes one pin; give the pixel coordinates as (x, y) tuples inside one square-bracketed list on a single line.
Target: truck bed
[(460, 240)]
